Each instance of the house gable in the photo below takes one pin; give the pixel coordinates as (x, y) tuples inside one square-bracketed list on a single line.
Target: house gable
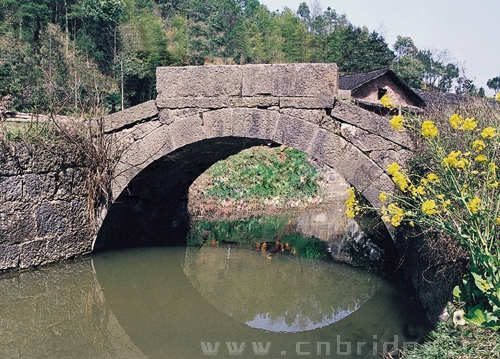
[(368, 88)]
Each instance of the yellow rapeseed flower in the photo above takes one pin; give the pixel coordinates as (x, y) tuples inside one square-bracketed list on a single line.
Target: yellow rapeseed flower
[(397, 122), (417, 190), (351, 204), (429, 207), (393, 214), (498, 96), (489, 133), (469, 124), (429, 129), (498, 218), (432, 177), (474, 205), (387, 101), (479, 145), (393, 168), (480, 158), (456, 121), (453, 160), (401, 180), (492, 167), (382, 196)]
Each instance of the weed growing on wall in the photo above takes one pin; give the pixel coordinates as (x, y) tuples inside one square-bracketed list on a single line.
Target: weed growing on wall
[(453, 187)]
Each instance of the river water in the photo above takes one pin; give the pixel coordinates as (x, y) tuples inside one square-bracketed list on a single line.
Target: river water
[(215, 301)]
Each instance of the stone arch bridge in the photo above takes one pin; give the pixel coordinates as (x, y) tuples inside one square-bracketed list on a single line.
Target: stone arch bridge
[(207, 113)]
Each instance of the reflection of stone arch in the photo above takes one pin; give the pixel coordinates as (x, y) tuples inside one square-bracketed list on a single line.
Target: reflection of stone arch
[(204, 114)]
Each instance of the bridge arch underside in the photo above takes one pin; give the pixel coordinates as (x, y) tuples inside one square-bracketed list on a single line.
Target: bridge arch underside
[(151, 182), (152, 210)]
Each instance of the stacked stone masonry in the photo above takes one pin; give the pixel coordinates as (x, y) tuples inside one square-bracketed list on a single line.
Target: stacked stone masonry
[(43, 204)]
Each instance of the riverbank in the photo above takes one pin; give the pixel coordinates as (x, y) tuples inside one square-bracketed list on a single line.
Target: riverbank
[(204, 205)]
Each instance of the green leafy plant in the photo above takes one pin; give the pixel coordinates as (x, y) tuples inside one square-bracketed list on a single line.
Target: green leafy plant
[(262, 173), (454, 189)]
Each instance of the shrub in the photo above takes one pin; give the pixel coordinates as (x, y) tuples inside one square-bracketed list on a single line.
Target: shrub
[(452, 186)]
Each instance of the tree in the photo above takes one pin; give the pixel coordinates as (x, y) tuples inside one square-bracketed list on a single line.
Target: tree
[(494, 83), (428, 69), (404, 46)]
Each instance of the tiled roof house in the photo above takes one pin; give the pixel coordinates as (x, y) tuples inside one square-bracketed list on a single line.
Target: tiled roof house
[(366, 89)]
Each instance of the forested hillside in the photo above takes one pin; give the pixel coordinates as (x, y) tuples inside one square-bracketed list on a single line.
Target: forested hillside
[(98, 56)]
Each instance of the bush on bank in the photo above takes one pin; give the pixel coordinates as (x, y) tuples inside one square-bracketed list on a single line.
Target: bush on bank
[(452, 187)]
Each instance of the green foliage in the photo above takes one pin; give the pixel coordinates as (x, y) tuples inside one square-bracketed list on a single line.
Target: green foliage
[(449, 342), (455, 189), (423, 68), (494, 83), (128, 39), (262, 173)]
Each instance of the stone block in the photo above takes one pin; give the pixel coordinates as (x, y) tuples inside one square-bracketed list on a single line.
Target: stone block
[(9, 257), (129, 135), (32, 253), (187, 131), (255, 101), (370, 122), (366, 141), (11, 188), (39, 186), (218, 123), (52, 218), (17, 222), (193, 102), (313, 116), (306, 102), (295, 133), (290, 80), (198, 81), (327, 147), (140, 113), (168, 116), (255, 123)]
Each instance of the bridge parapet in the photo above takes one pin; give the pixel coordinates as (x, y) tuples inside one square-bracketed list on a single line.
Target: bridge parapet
[(283, 85)]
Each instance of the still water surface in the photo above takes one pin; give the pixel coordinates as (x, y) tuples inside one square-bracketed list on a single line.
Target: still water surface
[(189, 303)]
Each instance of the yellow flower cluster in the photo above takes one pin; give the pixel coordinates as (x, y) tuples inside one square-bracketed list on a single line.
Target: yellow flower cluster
[(474, 205), (392, 214), (429, 129), (489, 133), (481, 158), (478, 145), (498, 96), (387, 101), (432, 177), (454, 159), (397, 122), (429, 207), (458, 122), (382, 196), (351, 204)]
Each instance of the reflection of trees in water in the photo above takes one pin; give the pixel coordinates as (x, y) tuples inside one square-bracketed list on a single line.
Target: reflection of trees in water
[(243, 283)]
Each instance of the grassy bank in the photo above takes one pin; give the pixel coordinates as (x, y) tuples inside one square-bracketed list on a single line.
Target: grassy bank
[(261, 180), (448, 341)]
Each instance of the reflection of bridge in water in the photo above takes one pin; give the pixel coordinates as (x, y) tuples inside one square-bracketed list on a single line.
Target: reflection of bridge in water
[(140, 304)]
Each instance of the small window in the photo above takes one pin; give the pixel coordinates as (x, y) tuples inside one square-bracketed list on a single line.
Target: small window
[(381, 92)]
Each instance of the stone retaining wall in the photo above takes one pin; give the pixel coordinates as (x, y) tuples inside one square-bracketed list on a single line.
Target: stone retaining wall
[(43, 204)]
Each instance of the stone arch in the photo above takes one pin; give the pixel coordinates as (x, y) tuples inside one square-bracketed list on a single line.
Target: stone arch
[(180, 137)]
